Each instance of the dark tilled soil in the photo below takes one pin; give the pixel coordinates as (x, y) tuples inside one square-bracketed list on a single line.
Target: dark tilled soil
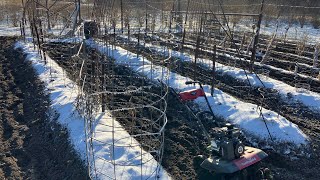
[(274, 73), (295, 112), (32, 144), (284, 167), (184, 142)]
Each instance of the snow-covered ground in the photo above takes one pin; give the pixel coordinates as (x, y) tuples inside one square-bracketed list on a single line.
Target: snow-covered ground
[(308, 98), (245, 115), (9, 31), (63, 94), (295, 32)]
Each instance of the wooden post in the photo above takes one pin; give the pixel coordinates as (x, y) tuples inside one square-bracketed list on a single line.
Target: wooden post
[(185, 23), (37, 8), (196, 55), (23, 20), (256, 39), (35, 21), (243, 41), (42, 41), (269, 46), (316, 56), (103, 80), (21, 29), (153, 26), (93, 72), (197, 49), (128, 31), (146, 20), (79, 5), (179, 19), (213, 69), (48, 15), (296, 69), (121, 7), (249, 46), (32, 34), (171, 18), (114, 33), (138, 42)]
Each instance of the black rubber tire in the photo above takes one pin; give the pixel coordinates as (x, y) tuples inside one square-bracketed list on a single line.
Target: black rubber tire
[(239, 149)]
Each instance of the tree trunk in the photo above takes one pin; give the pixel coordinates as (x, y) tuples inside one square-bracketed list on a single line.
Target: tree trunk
[(213, 69), (48, 15), (316, 56), (121, 7), (256, 39)]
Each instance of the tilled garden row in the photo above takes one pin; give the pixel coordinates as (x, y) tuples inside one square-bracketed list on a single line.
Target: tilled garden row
[(297, 51), (183, 138), (33, 144), (184, 142), (265, 97), (289, 78), (296, 113), (285, 59)]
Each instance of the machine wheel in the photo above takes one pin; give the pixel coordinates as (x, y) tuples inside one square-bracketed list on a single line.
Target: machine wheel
[(239, 149)]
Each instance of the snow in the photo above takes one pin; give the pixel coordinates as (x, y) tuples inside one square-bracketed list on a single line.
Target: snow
[(63, 94), (9, 31), (308, 98), (294, 32), (245, 115)]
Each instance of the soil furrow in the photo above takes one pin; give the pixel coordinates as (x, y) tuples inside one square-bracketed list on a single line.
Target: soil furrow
[(33, 144), (182, 133)]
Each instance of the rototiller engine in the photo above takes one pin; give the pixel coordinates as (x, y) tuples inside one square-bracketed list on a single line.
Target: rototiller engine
[(228, 155)]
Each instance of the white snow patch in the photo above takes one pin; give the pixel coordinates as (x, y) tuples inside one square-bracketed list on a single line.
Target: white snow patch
[(63, 94), (9, 31), (308, 98), (294, 33), (245, 115)]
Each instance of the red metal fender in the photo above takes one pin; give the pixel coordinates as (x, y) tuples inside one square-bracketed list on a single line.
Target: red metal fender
[(191, 94), (246, 160), (220, 166)]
